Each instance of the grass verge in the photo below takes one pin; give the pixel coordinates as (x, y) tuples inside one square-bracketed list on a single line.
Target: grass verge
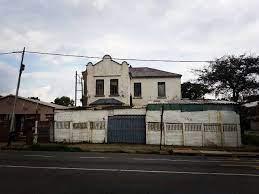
[(251, 140), (54, 147)]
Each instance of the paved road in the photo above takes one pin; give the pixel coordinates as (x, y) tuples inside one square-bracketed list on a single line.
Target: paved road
[(60, 172)]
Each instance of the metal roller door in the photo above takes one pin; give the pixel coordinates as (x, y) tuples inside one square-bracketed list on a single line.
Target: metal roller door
[(127, 129)]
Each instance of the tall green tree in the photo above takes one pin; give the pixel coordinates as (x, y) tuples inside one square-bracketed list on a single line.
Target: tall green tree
[(234, 75), (194, 90), (64, 100)]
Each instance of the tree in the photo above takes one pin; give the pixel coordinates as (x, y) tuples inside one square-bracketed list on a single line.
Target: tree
[(251, 98), (194, 90), (64, 100), (237, 76), (34, 98)]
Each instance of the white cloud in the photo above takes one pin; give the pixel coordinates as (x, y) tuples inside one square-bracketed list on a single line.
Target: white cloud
[(200, 30), (8, 76), (100, 4)]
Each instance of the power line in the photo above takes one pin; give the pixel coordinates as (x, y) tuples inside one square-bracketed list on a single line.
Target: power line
[(115, 58), (8, 53), (61, 54)]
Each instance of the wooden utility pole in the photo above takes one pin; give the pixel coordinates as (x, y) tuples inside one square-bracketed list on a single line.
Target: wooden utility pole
[(75, 88), (12, 128)]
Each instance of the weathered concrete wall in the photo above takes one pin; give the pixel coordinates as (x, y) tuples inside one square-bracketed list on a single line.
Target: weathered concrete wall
[(132, 111), (108, 69), (149, 90), (86, 125), (200, 128), (81, 126)]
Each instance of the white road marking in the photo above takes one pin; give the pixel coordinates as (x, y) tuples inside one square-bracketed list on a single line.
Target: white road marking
[(165, 159), (42, 156), (239, 165), (197, 161), (89, 157), (131, 170)]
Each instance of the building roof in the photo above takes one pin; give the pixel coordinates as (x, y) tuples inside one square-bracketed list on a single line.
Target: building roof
[(251, 104), (56, 106), (202, 101), (145, 72), (106, 101)]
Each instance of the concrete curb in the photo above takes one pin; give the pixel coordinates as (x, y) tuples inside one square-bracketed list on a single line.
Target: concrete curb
[(182, 152)]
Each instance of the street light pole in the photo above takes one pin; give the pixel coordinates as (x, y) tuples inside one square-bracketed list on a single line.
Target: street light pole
[(11, 132)]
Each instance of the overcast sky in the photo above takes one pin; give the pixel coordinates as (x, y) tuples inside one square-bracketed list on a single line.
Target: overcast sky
[(148, 29)]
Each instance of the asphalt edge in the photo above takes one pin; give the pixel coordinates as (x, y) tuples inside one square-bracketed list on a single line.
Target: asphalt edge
[(161, 152)]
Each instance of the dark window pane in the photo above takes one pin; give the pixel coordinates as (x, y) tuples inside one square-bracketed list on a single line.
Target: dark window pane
[(114, 87), (137, 89), (99, 87), (161, 89)]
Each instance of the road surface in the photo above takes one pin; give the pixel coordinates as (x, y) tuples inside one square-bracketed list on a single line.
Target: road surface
[(63, 172)]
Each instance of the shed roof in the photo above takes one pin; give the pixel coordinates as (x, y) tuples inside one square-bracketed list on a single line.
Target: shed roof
[(251, 104), (56, 106), (143, 72)]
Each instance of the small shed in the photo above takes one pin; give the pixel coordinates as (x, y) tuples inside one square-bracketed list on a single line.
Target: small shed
[(27, 111)]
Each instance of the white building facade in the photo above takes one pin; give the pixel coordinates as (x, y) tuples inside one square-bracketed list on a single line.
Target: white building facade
[(111, 83), (122, 104)]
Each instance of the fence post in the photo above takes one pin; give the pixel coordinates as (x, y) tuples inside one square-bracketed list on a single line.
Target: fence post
[(202, 134), (52, 126), (238, 130), (161, 125), (105, 132), (183, 134), (35, 135), (222, 135), (165, 131), (70, 131)]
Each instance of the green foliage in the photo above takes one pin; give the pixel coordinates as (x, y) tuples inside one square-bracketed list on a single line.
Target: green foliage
[(194, 90), (34, 98), (233, 75), (251, 140), (64, 100), (251, 98)]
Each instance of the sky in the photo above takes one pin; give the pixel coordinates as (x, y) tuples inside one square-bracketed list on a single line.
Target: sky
[(146, 29)]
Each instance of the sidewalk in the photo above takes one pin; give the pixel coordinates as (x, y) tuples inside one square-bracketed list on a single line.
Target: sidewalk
[(172, 150), (138, 149)]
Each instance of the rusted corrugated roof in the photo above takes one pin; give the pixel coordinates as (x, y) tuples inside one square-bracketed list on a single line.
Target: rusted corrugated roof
[(143, 72), (56, 106)]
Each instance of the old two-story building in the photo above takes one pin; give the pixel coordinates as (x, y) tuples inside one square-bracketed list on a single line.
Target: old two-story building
[(111, 83), (125, 104)]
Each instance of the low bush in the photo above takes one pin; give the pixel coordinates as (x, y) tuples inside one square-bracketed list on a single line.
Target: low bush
[(251, 140)]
